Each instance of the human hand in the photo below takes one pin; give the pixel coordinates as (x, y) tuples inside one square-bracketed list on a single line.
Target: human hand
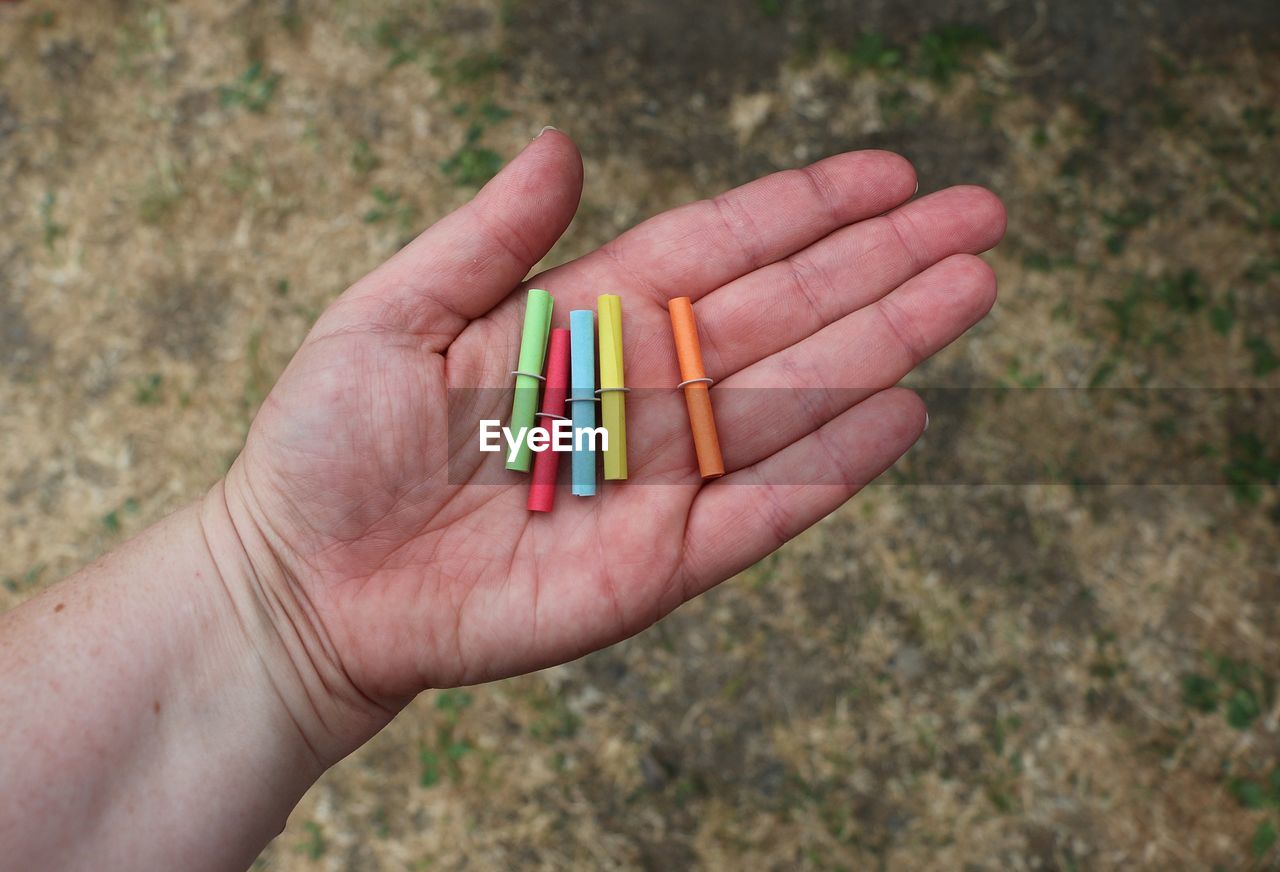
[(380, 578)]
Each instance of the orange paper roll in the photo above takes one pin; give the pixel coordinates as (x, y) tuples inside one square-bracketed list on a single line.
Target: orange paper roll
[(697, 388)]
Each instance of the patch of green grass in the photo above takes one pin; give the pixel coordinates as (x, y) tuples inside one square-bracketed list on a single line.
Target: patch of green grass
[(1260, 119), (159, 198), (1062, 310), (453, 702), (1249, 793), (291, 20), (1001, 786), (1042, 261), (363, 160), (1166, 428), (943, 52), (1015, 377), (1105, 669), (111, 520), (253, 90), (1095, 117), (1171, 113), (1183, 292), (733, 688), (429, 761), (491, 113), (1259, 270), (1249, 467), (938, 55), (257, 379), (435, 761), (25, 581), (895, 104), (1131, 215), (1135, 317), (474, 67), (1199, 692), (472, 164), (1242, 709), (1103, 373), (1124, 311), (1264, 838), (1222, 315), (51, 229), (555, 719), (765, 570), (1265, 360), (1237, 688), (873, 52), (146, 391), (314, 844), (446, 753), (241, 176), (985, 111), (389, 207), (1078, 162), (403, 38), (144, 39), (1001, 798), (999, 730), (454, 751), (386, 205)]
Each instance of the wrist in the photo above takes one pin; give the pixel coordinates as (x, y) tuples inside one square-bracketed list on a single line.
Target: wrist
[(282, 625), (132, 691)]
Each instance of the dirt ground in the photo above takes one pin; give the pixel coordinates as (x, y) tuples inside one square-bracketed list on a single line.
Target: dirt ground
[(1016, 653)]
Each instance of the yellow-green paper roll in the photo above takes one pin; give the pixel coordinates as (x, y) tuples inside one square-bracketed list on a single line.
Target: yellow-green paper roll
[(613, 403), (533, 351)]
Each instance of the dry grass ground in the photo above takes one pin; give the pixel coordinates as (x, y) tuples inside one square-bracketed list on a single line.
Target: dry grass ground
[(990, 662)]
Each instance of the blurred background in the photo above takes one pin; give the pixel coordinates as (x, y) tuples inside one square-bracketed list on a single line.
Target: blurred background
[(952, 672)]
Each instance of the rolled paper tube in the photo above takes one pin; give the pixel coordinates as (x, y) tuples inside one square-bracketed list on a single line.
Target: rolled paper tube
[(533, 348), (582, 342), (546, 463), (697, 394), (613, 402)]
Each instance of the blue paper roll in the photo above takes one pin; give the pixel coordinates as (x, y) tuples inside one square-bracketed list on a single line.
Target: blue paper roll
[(582, 394)]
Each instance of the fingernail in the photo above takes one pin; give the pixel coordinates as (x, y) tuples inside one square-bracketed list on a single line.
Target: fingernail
[(926, 423), (545, 129), (917, 190)]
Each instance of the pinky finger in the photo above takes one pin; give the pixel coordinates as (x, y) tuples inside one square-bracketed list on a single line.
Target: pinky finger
[(738, 519)]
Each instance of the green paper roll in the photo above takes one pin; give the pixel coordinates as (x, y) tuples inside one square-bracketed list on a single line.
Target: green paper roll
[(533, 351)]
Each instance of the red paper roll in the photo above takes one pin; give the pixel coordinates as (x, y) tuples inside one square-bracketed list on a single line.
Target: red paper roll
[(546, 464)]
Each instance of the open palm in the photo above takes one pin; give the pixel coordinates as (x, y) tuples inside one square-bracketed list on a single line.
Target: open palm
[(820, 281)]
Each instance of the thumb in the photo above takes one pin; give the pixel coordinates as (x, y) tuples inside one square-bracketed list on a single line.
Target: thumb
[(468, 261)]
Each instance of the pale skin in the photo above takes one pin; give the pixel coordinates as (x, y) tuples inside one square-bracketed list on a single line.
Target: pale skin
[(169, 704)]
